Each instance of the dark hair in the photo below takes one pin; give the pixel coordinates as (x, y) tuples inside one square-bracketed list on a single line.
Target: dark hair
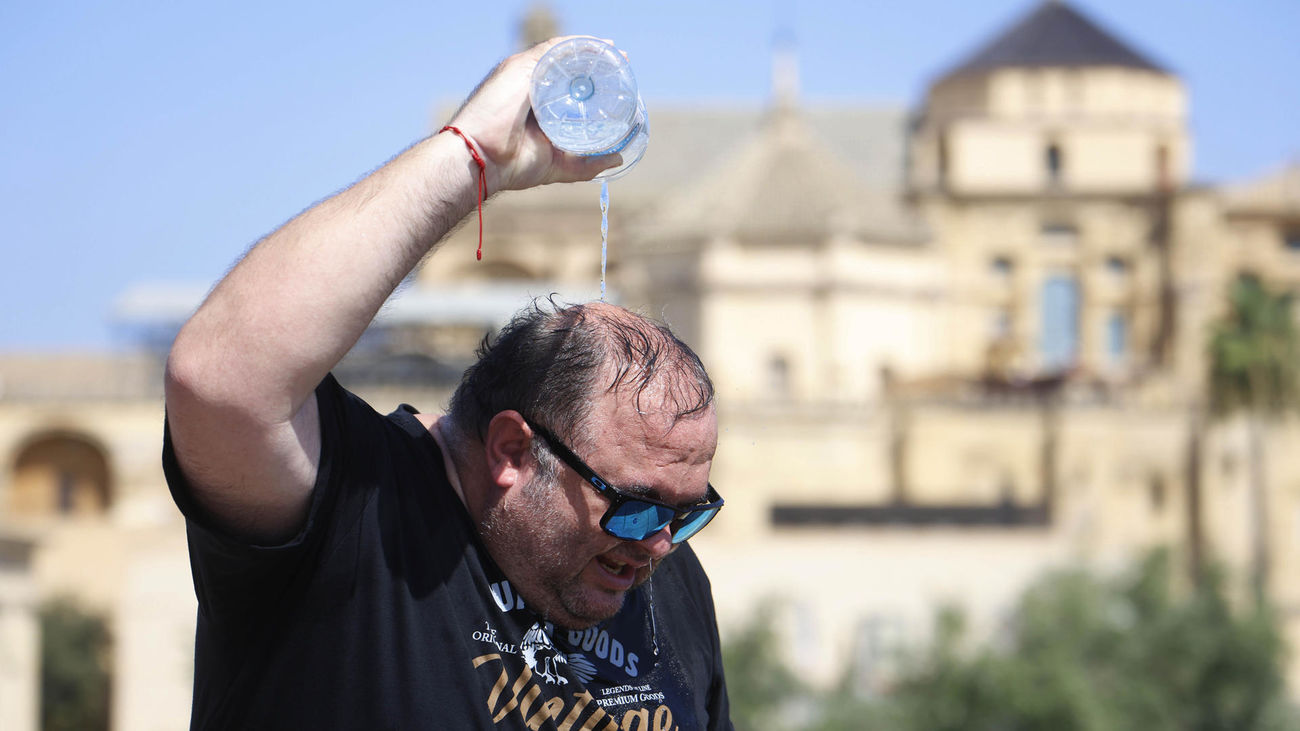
[(546, 362)]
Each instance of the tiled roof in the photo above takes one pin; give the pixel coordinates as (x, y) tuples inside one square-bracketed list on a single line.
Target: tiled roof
[(1054, 35)]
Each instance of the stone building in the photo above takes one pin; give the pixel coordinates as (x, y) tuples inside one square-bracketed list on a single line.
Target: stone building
[(954, 347)]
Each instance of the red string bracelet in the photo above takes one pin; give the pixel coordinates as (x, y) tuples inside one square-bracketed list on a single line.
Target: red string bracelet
[(482, 182)]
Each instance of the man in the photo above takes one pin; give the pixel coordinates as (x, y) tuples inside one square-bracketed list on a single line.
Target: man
[(489, 568)]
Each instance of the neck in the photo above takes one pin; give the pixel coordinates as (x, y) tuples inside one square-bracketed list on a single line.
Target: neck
[(436, 427)]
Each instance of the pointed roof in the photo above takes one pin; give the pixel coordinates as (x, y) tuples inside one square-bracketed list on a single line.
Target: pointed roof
[(1054, 34)]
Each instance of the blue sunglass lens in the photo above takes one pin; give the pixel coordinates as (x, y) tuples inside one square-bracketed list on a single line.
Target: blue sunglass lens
[(692, 524), (636, 521)]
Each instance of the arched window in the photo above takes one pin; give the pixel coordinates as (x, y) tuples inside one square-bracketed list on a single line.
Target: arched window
[(59, 475)]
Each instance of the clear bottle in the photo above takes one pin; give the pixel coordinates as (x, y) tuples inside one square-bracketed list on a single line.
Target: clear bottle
[(585, 99)]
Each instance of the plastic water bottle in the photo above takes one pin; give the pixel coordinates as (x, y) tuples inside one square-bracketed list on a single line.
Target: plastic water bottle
[(585, 99)]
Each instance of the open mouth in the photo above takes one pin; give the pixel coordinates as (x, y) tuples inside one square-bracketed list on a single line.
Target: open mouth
[(615, 575), (614, 567)]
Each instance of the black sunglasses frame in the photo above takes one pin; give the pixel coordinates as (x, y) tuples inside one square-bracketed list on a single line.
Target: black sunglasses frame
[(617, 498)]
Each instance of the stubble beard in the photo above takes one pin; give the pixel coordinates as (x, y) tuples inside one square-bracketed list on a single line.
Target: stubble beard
[(534, 542)]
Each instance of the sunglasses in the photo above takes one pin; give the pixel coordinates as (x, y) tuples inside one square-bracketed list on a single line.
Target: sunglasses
[(633, 518)]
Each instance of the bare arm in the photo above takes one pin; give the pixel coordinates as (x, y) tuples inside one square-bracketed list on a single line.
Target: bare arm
[(242, 372)]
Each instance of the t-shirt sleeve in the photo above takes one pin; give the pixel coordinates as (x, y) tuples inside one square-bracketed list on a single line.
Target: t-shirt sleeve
[(231, 574)]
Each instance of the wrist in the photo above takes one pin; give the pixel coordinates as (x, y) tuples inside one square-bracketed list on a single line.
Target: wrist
[(480, 180), (470, 147)]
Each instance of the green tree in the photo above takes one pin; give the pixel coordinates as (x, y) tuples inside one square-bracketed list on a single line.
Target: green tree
[(1083, 654), (75, 648), (1253, 371), (1145, 651)]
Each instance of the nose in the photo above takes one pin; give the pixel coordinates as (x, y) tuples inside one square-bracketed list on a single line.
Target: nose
[(657, 545)]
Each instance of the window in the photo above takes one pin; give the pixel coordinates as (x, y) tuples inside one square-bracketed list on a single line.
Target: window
[(1059, 341), (1116, 338), (1001, 267), (1156, 492), (778, 375), (1291, 239), (1055, 163), (1117, 269), (1059, 233)]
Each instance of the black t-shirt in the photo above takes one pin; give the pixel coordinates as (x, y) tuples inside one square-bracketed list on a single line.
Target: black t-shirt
[(386, 612)]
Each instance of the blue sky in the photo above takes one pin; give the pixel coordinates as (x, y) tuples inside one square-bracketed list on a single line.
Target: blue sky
[(155, 141)]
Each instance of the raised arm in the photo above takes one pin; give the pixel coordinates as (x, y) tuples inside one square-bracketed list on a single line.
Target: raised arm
[(242, 372)]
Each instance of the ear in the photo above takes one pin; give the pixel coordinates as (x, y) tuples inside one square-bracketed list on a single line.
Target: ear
[(506, 449)]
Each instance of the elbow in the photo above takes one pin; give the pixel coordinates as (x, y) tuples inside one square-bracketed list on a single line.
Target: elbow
[(210, 377), (187, 378), (200, 375)]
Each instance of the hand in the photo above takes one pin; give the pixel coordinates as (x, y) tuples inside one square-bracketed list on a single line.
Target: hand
[(499, 118)]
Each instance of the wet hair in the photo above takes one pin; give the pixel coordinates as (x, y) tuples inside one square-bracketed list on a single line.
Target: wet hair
[(551, 361)]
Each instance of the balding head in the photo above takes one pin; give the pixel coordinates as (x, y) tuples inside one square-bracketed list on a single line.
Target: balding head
[(550, 362)]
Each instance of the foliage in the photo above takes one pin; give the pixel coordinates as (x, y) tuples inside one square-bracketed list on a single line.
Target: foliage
[(75, 648), (1253, 352), (1253, 368), (1086, 654), (759, 684), (1089, 655)]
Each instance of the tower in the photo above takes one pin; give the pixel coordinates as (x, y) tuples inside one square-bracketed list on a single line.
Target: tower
[(1048, 161)]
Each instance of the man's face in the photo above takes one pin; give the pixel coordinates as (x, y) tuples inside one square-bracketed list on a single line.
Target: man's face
[(548, 539)]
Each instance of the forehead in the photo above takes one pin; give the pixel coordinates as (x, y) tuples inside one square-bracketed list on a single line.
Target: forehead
[(649, 448), (652, 419)]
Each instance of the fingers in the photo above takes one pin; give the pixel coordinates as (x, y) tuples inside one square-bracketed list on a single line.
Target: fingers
[(575, 168), (499, 117), (536, 52)]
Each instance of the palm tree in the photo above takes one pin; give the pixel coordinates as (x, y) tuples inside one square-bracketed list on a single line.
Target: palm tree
[(1253, 371)]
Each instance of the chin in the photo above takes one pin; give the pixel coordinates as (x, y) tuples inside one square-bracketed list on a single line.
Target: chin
[(588, 606), (584, 605)]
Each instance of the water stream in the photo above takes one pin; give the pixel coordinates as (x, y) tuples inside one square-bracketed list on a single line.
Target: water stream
[(604, 234)]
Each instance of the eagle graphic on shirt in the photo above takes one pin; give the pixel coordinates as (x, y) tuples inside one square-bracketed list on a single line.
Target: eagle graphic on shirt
[(545, 659)]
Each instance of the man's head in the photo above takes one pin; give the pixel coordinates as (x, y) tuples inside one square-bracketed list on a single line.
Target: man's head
[(622, 395)]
